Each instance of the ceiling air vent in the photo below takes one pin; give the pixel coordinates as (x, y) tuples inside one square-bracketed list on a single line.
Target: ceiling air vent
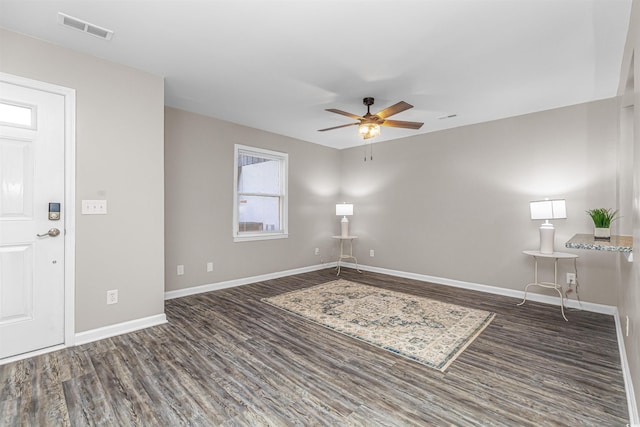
[(84, 26), (447, 116)]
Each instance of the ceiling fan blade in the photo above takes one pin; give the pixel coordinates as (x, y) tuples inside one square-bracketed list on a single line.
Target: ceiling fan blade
[(394, 109), (344, 113), (338, 127), (402, 124)]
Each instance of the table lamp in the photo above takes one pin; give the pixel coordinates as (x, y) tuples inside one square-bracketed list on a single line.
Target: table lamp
[(547, 209), (344, 210)]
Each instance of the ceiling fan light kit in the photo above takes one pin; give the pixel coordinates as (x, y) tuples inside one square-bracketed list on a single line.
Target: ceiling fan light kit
[(368, 130)]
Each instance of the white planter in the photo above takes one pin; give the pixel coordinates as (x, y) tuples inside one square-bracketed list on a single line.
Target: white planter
[(602, 233)]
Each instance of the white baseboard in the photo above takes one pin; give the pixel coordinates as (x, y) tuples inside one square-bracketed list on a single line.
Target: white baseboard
[(531, 296), (119, 329), (243, 281), (95, 335), (634, 419)]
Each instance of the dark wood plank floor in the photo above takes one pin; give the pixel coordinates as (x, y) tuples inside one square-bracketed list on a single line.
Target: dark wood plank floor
[(227, 359)]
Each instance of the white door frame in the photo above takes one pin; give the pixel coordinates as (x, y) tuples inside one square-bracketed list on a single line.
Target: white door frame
[(69, 207)]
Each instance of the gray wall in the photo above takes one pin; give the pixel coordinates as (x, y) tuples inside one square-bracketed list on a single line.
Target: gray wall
[(455, 204), (119, 136), (452, 204), (199, 199), (629, 195)]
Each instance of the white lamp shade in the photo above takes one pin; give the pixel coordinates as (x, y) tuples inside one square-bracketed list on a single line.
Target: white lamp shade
[(344, 209), (548, 209)]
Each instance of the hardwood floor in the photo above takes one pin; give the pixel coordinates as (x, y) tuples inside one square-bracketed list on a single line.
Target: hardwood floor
[(227, 359)]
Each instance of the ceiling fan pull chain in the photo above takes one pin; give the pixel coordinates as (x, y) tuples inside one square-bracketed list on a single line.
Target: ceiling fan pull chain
[(371, 151)]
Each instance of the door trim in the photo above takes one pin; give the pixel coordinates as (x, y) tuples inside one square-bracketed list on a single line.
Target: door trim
[(69, 96)]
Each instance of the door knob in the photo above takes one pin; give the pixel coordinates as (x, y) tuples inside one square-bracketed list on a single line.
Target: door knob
[(51, 233)]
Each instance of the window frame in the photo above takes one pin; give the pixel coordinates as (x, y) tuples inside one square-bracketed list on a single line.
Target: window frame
[(283, 159)]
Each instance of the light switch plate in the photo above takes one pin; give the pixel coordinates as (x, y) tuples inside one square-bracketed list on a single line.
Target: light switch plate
[(94, 207)]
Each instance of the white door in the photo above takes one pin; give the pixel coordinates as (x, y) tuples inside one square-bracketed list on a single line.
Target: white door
[(32, 267)]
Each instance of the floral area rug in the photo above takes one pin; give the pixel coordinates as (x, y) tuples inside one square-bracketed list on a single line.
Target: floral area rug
[(431, 332)]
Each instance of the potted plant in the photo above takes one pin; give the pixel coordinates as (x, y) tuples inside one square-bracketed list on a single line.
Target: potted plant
[(602, 219)]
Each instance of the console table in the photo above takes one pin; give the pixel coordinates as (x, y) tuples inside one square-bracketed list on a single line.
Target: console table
[(343, 255), (555, 285)]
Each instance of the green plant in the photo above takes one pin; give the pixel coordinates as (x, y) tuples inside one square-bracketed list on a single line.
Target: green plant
[(602, 217)]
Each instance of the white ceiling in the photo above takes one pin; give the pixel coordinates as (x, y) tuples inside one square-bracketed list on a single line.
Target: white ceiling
[(276, 65)]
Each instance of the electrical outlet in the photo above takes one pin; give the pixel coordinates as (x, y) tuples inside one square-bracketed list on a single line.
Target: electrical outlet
[(372, 253), (112, 296), (317, 251), (571, 279), (180, 270), (209, 267)]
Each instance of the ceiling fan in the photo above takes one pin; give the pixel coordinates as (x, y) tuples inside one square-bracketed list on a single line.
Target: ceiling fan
[(369, 124)]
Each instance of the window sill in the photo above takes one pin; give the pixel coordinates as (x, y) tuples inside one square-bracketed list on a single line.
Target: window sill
[(253, 237)]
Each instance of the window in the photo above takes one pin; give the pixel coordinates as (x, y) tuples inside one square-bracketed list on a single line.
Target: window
[(260, 194), (22, 116)]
